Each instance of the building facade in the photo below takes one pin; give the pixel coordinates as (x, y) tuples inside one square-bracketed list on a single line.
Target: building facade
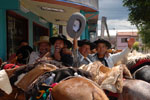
[(122, 38), (30, 19)]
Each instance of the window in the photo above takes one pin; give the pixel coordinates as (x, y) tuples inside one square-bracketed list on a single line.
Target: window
[(38, 31), (124, 40), (17, 30)]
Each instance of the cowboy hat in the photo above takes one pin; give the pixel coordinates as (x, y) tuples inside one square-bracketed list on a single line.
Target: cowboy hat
[(43, 39), (108, 44), (61, 37), (76, 25), (87, 42)]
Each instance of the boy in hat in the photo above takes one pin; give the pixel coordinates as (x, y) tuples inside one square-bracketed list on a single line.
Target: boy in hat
[(107, 59), (61, 50), (82, 55), (43, 48)]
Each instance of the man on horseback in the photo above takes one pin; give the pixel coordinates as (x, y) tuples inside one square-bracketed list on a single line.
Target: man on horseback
[(83, 53), (61, 50), (43, 47), (107, 59)]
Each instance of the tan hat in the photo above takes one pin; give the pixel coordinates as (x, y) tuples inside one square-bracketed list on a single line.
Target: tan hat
[(42, 39)]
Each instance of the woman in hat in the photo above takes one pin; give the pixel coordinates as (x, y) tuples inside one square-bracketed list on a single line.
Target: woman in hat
[(61, 50), (107, 59), (43, 48), (82, 54)]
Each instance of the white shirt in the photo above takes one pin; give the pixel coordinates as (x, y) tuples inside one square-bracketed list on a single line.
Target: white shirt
[(112, 59), (33, 57)]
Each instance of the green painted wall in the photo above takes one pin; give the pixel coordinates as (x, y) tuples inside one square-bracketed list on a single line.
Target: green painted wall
[(5, 5), (31, 18), (3, 33), (85, 33), (50, 29), (3, 41), (9, 4)]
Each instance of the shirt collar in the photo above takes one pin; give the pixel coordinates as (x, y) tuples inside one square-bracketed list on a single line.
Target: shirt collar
[(104, 57), (82, 58)]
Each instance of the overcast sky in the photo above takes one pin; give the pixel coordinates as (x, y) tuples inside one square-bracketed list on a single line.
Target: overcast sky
[(116, 14)]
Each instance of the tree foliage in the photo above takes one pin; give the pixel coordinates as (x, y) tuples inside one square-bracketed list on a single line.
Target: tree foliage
[(139, 11), (136, 46), (145, 34), (139, 15)]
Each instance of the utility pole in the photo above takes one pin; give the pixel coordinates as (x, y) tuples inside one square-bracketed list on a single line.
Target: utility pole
[(103, 27)]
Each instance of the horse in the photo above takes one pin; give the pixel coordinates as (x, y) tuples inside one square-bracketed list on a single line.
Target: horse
[(129, 89), (110, 79), (135, 90), (139, 65), (143, 73), (85, 90), (21, 83), (78, 88), (17, 74)]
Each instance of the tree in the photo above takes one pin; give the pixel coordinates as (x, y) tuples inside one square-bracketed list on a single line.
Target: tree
[(145, 34), (139, 15), (139, 11), (136, 46)]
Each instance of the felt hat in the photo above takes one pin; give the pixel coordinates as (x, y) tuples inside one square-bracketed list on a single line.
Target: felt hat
[(108, 44), (61, 37), (75, 25), (87, 42)]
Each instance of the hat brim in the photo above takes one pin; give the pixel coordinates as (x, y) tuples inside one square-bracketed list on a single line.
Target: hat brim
[(81, 43), (67, 42), (70, 24), (108, 44), (37, 43)]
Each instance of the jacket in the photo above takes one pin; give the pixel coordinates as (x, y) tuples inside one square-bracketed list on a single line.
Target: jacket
[(79, 59), (112, 59)]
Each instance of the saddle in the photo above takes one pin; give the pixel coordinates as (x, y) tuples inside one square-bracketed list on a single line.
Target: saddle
[(32, 75), (110, 79)]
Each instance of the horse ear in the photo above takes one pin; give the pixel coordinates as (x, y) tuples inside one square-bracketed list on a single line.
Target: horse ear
[(97, 96)]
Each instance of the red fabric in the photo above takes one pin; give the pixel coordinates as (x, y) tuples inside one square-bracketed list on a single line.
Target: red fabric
[(140, 62), (50, 89), (113, 94), (110, 94), (9, 66), (53, 85)]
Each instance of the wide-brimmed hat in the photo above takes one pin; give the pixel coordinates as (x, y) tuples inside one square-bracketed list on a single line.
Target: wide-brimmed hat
[(61, 37), (42, 40), (75, 25), (25, 52), (87, 42), (108, 44)]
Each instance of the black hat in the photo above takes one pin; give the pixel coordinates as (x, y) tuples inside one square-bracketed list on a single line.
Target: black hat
[(108, 44), (87, 42), (25, 51), (61, 37)]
